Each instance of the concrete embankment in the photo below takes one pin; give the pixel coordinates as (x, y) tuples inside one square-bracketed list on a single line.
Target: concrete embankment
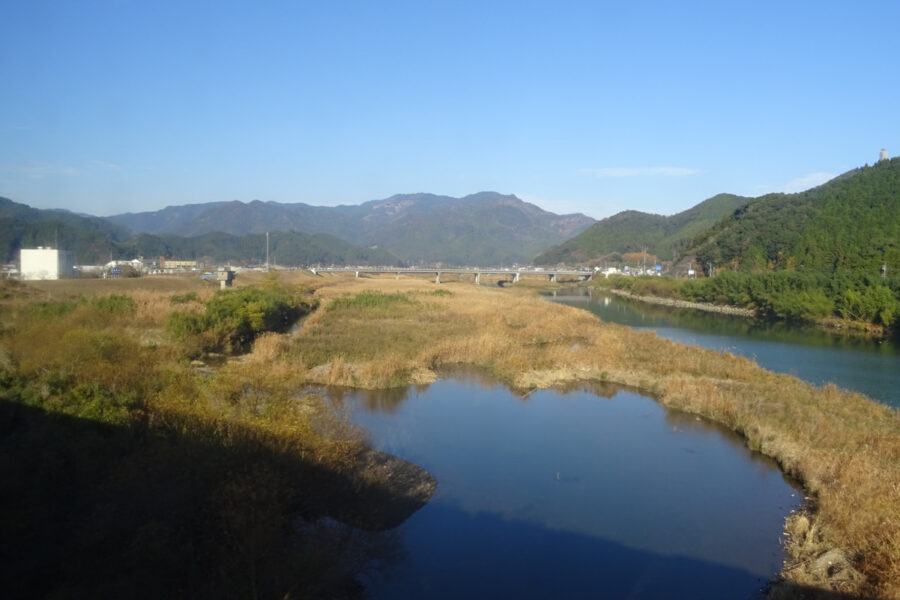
[(716, 308)]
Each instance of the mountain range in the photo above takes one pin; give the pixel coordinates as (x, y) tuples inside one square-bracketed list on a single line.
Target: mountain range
[(482, 228), (849, 223), (94, 240)]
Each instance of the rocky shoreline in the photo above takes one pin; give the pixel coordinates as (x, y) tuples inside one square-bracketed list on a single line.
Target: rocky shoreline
[(706, 306), (832, 324)]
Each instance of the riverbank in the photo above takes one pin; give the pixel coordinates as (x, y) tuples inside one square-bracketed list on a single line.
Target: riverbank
[(848, 327), (843, 447), (704, 306), (131, 468)]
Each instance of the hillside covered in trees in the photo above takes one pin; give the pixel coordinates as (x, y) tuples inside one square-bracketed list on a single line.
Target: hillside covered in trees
[(829, 253), (851, 223), (635, 231), (22, 226)]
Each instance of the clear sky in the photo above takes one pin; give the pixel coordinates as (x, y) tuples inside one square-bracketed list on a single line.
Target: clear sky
[(111, 106)]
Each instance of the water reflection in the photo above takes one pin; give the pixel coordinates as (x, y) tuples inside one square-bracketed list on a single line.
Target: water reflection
[(382, 400), (560, 490), (863, 365), (388, 400)]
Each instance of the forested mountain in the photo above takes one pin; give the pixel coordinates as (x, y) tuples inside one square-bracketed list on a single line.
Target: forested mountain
[(634, 231), (94, 240), (285, 248), (850, 223), (238, 218), (483, 228), (24, 227)]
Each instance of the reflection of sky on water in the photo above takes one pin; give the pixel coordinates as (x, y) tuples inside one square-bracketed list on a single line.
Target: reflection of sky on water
[(866, 366), (620, 471)]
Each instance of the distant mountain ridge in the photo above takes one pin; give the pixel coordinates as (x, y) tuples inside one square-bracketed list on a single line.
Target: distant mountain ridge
[(849, 223), (93, 240), (482, 228), (635, 231)]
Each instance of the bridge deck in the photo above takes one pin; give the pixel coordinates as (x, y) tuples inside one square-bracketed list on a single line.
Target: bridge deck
[(475, 271)]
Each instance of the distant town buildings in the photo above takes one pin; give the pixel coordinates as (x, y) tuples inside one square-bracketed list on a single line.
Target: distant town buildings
[(883, 156), (168, 264), (44, 263), (123, 268)]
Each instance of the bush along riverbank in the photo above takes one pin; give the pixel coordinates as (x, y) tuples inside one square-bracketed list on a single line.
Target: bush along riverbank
[(843, 447), (128, 472), (843, 301)]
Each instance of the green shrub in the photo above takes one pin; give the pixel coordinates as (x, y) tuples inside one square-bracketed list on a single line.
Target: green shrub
[(115, 304), (233, 318), (369, 300), (51, 309), (184, 298)]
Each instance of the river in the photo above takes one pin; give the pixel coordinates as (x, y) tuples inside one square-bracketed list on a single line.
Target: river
[(593, 492), (871, 367)]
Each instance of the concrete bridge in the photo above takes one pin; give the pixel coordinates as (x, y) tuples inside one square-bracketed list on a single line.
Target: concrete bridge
[(476, 272)]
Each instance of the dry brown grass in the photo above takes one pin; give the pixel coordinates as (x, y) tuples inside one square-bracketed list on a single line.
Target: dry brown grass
[(160, 284)]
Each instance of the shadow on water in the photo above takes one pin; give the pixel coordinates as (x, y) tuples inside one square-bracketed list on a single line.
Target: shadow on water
[(101, 511), (550, 563)]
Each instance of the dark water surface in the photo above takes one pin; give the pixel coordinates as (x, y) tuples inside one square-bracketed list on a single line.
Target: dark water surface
[(574, 495), (863, 365)]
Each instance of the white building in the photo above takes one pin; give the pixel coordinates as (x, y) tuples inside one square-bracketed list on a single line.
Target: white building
[(44, 263), (883, 155), (136, 263)]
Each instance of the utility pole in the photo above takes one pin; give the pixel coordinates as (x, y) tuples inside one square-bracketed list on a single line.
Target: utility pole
[(267, 252)]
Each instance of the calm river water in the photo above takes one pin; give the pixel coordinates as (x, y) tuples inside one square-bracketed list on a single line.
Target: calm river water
[(862, 365), (592, 493)]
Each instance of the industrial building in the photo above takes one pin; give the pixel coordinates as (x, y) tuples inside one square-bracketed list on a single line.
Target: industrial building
[(45, 263)]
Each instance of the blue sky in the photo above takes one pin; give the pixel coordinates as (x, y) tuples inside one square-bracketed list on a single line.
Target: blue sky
[(596, 107)]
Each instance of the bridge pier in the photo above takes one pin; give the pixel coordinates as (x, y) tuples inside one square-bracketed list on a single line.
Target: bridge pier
[(477, 278), (516, 278), (552, 277), (357, 274), (398, 274), (437, 277)]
